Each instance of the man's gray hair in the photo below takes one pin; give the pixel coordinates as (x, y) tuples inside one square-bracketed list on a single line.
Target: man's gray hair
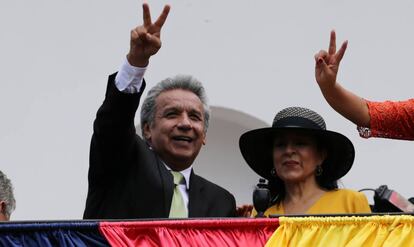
[(6, 194), (184, 82)]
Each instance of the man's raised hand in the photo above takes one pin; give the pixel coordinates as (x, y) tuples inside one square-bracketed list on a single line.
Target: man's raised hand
[(146, 39)]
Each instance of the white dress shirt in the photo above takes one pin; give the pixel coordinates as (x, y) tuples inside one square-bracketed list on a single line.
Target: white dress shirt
[(129, 78)]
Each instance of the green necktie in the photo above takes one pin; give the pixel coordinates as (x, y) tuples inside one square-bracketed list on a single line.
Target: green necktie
[(178, 209)]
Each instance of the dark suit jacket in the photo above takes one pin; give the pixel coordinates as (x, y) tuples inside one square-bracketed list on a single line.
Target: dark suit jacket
[(128, 180)]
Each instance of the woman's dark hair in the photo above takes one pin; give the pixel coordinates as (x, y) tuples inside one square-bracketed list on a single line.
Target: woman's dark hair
[(277, 186)]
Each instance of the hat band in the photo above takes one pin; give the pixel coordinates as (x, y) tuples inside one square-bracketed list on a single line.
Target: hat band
[(296, 122)]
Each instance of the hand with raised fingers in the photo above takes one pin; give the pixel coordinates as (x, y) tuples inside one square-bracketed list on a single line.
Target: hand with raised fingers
[(327, 63), (146, 39)]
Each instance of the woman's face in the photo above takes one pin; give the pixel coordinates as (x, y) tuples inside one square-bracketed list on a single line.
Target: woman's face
[(296, 156)]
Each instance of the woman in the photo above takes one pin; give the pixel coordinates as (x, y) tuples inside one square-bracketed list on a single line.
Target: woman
[(302, 162), (389, 119)]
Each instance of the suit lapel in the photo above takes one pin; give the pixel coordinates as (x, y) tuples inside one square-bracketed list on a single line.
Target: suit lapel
[(168, 186), (196, 201)]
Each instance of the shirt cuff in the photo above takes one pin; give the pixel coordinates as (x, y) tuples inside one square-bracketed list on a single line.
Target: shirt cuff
[(129, 78)]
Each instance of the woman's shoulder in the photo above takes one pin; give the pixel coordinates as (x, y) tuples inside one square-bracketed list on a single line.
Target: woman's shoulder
[(347, 201), (345, 193)]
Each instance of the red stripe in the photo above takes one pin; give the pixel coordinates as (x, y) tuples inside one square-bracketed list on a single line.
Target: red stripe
[(205, 232)]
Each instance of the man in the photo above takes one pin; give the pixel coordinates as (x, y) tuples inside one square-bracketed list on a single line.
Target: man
[(7, 201), (131, 177)]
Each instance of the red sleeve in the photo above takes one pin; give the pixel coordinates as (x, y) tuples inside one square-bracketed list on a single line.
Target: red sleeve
[(390, 119)]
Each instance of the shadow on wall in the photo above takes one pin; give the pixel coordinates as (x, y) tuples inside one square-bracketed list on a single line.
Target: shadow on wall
[(220, 160)]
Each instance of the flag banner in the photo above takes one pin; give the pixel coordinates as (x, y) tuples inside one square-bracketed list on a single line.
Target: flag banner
[(160, 232)]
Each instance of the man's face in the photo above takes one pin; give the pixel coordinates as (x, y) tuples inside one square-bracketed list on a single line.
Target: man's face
[(177, 132)]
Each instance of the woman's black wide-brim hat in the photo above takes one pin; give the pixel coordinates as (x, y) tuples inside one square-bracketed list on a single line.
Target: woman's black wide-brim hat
[(256, 145)]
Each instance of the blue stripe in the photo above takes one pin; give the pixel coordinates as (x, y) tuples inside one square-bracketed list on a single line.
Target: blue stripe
[(51, 234)]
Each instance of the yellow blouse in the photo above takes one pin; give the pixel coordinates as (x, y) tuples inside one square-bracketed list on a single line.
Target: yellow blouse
[(341, 201)]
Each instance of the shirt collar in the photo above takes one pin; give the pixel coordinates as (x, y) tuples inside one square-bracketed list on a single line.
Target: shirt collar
[(186, 174)]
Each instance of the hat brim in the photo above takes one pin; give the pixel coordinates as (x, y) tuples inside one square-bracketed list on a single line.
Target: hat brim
[(256, 147)]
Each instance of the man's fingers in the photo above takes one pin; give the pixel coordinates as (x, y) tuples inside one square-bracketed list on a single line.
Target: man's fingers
[(341, 52), (139, 33), (153, 39), (332, 43), (146, 14), (134, 34), (161, 19), (138, 38)]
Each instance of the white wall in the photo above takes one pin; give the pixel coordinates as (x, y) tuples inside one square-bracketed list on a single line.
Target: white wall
[(253, 56), (220, 161)]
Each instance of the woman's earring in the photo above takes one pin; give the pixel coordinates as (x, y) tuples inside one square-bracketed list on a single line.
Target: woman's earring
[(273, 172), (318, 170)]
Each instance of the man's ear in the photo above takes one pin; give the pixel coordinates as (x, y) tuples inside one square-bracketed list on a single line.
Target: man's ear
[(204, 139), (147, 132)]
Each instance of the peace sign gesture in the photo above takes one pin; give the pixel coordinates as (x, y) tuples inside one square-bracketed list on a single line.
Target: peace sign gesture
[(146, 39), (327, 63)]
